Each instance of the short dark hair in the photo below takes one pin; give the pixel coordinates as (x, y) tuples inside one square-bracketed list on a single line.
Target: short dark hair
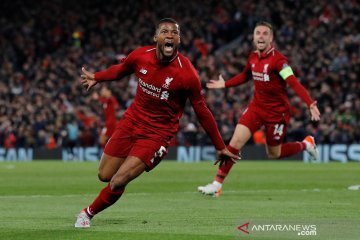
[(166, 20), (266, 24)]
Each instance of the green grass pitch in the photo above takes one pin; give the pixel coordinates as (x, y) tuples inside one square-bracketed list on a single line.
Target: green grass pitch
[(39, 200)]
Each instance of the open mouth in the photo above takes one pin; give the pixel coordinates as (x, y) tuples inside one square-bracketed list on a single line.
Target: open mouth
[(168, 47), (261, 43)]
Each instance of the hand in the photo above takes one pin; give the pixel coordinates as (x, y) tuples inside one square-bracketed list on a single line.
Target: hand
[(88, 79), (225, 155), (314, 111), (216, 83)]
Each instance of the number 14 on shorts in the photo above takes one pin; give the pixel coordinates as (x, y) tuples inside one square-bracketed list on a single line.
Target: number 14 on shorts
[(279, 129)]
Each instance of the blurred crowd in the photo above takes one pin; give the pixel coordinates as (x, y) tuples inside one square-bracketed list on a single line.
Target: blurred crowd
[(43, 45)]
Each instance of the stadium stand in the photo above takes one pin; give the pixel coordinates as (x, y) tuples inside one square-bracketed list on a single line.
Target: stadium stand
[(43, 45)]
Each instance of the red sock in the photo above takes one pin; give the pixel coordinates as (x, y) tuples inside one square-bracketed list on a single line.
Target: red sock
[(224, 170), (292, 148), (105, 199)]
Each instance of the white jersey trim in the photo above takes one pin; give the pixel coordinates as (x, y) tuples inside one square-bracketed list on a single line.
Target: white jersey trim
[(180, 62), (151, 49), (271, 49)]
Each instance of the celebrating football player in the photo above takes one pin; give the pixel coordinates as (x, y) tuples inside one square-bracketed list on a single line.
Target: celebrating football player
[(270, 106), (166, 79)]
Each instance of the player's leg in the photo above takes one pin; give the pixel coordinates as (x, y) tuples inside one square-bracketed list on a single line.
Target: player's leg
[(108, 167), (273, 152), (143, 155), (129, 169), (248, 123), (285, 150), (293, 148), (113, 157), (117, 148), (241, 135), (275, 133)]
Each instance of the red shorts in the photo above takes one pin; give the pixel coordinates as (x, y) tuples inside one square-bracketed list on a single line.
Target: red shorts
[(130, 140), (275, 123)]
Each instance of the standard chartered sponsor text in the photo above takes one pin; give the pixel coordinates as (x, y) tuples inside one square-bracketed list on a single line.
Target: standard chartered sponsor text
[(149, 86)]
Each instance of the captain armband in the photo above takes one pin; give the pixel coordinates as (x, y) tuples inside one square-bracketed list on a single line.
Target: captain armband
[(286, 72)]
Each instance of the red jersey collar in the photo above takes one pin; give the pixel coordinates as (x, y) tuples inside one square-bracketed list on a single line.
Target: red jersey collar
[(176, 55), (171, 60), (267, 53)]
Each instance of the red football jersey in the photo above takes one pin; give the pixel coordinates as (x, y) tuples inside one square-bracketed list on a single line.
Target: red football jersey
[(162, 91), (270, 88)]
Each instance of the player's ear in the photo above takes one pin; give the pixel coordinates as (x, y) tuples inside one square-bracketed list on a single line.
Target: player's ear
[(155, 38)]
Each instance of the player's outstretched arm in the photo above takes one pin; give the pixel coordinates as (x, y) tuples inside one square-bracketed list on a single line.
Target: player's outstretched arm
[(88, 79), (314, 111), (204, 115), (220, 83), (304, 95)]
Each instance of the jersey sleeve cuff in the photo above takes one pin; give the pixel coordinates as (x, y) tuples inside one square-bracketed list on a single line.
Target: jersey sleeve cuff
[(220, 146)]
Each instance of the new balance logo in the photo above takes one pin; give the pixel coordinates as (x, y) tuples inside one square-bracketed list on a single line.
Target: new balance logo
[(143, 71)]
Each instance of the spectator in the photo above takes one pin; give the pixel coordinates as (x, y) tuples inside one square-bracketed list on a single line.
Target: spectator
[(43, 45)]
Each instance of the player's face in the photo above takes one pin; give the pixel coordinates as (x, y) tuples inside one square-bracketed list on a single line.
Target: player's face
[(105, 92), (167, 40), (263, 38)]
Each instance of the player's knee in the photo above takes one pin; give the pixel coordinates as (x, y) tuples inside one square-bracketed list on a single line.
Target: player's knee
[(104, 177), (118, 182), (272, 155), (237, 141)]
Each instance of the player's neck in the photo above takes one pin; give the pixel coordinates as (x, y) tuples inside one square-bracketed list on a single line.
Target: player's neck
[(263, 52), (163, 59)]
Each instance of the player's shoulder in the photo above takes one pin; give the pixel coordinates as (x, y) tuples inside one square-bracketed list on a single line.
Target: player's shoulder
[(279, 60), (183, 61), (279, 56), (144, 50), (139, 53), (186, 66), (252, 55), (147, 49)]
